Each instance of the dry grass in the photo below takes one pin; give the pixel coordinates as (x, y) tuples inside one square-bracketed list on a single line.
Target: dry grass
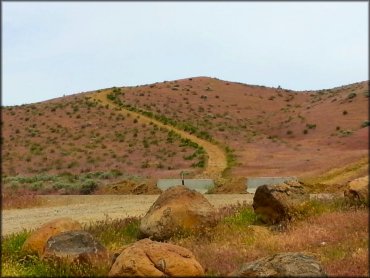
[(336, 179), (338, 239), (21, 198), (337, 236)]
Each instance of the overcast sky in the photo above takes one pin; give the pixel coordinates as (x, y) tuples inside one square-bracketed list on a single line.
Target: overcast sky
[(51, 49)]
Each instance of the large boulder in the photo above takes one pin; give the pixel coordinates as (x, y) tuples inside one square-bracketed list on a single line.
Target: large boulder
[(76, 247), (275, 203), (282, 265), (36, 242), (151, 258), (178, 209), (358, 190)]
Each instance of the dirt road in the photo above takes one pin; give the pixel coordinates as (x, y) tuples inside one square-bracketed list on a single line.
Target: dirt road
[(88, 208), (216, 162)]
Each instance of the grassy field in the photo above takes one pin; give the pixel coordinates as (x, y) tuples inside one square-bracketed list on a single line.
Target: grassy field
[(336, 179)]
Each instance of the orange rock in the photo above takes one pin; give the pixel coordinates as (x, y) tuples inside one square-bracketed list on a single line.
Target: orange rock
[(358, 190), (178, 209), (37, 240), (151, 258)]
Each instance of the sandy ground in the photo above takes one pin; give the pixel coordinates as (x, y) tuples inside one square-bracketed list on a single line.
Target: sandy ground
[(89, 208)]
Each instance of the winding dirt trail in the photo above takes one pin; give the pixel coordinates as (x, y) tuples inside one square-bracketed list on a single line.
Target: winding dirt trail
[(216, 162)]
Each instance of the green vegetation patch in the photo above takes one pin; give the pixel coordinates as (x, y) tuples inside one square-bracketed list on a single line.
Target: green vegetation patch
[(85, 183), (114, 233), (114, 96), (111, 233), (243, 217)]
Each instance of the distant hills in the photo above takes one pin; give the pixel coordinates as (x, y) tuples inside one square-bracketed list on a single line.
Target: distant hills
[(264, 131)]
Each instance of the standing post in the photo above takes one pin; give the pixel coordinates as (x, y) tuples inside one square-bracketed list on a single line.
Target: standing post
[(182, 178)]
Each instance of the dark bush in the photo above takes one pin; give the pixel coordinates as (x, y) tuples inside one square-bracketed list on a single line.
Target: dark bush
[(88, 187), (351, 95)]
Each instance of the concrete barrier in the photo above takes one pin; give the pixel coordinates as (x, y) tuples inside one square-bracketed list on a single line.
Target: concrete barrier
[(253, 182), (200, 185)]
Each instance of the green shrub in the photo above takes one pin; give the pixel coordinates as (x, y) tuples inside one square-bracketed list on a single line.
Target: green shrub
[(105, 176), (37, 186), (145, 164), (72, 164), (110, 232), (244, 217), (88, 187), (36, 149), (230, 156), (62, 185), (311, 126), (365, 123), (189, 157), (317, 207), (17, 263), (11, 245), (199, 164), (345, 133), (351, 95), (116, 173)]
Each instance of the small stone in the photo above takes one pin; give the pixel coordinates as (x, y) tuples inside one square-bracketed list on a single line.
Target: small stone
[(293, 264), (76, 247), (36, 242)]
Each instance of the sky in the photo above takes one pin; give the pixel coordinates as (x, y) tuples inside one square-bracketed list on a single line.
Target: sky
[(51, 49)]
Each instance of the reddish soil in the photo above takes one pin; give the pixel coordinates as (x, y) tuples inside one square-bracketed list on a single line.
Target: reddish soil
[(76, 135), (272, 131), (216, 157)]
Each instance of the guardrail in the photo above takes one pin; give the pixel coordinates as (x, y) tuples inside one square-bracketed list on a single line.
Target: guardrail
[(253, 182), (200, 185)]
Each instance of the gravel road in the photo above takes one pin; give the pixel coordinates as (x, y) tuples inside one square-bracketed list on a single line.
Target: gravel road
[(89, 208)]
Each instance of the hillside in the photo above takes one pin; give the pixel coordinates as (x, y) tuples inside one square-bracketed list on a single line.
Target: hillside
[(272, 131), (266, 131), (77, 135)]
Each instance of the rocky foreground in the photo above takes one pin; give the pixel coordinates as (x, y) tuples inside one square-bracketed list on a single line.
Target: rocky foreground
[(179, 212)]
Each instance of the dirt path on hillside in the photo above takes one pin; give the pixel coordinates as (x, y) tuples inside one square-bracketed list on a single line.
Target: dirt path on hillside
[(216, 162), (89, 208)]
